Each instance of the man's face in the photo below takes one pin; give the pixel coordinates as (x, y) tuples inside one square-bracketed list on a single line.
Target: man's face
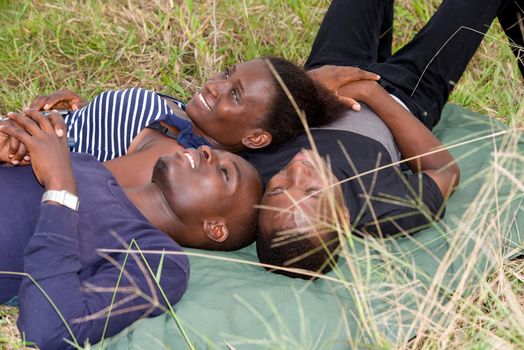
[(299, 197), (205, 184), (231, 103)]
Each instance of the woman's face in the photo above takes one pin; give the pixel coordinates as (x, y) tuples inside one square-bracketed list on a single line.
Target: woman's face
[(231, 104), (300, 196)]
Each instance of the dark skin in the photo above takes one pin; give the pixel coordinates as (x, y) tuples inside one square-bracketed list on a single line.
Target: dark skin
[(287, 189), (298, 195), (238, 97), (240, 91), (203, 217)]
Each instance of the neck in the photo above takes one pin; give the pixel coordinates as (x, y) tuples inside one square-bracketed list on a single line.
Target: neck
[(214, 143), (153, 205)]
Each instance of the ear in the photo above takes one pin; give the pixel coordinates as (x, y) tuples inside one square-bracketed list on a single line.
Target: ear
[(216, 230), (258, 139)]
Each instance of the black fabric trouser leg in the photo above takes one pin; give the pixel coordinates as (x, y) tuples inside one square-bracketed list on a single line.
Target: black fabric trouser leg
[(353, 33), (422, 73), (512, 21)]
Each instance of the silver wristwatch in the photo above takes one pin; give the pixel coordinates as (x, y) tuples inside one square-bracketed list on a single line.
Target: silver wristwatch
[(64, 198)]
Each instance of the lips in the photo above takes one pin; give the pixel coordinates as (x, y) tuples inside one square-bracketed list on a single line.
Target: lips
[(203, 101)]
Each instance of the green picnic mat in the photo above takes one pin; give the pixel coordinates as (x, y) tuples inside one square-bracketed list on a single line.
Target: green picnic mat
[(383, 292)]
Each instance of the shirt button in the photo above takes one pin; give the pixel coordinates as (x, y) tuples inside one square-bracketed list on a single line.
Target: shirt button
[(425, 114)]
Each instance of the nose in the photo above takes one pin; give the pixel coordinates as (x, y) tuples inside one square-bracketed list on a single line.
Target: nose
[(207, 153), (216, 87), (299, 173)]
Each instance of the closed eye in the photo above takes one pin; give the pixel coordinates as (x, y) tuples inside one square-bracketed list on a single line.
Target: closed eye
[(225, 173), (277, 190), (312, 191)]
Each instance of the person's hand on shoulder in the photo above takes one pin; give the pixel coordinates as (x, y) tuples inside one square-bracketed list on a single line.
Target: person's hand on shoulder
[(63, 99), (359, 90), (45, 139), (334, 78)]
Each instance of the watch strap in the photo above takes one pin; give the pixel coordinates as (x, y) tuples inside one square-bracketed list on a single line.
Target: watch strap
[(67, 199)]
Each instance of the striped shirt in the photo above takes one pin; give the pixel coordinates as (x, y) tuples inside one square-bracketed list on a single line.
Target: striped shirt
[(106, 127)]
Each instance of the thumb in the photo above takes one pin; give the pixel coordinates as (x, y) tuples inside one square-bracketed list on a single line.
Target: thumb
[(350, 103)]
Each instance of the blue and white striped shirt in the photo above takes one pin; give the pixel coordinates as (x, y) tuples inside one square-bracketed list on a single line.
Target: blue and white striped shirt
[(106, 127)]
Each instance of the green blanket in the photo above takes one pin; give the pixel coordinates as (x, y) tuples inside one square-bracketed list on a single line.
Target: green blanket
[(383, 292)]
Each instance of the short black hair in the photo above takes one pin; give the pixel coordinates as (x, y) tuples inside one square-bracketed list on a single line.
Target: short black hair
[(319, 105), (308, 251)]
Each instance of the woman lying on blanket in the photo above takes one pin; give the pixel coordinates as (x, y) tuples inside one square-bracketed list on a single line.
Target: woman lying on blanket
[(242, 107), (298, 230), (57, 212)]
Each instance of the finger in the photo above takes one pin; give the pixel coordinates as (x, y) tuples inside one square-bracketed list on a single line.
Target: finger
[(369, 75), (54, 99), (42, 122), (13, 146), (38, 103), (19, 154), (58, 124), (17, 132), (24, 122), (350, 103), (64, 98), (350, 74)]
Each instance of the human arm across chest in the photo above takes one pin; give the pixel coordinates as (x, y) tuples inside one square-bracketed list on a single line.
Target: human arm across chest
[(412, 137)]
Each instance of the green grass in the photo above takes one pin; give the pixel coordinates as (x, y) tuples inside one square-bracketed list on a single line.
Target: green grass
[(97, 45), (174, 46), (8, 332)]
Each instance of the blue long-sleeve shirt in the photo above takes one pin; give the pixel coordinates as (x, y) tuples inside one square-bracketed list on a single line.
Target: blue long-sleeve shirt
[(58, 248)]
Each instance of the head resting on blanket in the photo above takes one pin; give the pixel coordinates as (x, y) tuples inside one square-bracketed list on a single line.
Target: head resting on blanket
[(211, 197), (297, 223), (246, 107)]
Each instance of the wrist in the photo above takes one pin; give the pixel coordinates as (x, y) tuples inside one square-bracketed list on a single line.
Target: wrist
[(63, 198), (371, 91), (68, 185)]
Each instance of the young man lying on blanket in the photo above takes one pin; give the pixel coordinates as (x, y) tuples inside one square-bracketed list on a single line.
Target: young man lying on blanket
[(57, 212)]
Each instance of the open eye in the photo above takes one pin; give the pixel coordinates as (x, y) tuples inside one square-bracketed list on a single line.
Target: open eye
[(235, 95)]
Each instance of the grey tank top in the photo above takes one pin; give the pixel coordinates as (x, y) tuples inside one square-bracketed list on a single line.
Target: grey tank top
[(367, 123)]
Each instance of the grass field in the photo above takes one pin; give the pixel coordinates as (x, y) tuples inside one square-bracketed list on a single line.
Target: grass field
[(172, 46)]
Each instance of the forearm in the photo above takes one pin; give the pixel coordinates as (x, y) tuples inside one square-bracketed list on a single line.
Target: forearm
[(53, 259), (52, 262)]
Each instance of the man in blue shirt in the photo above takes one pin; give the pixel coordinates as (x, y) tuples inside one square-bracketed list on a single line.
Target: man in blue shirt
[(67, 207)]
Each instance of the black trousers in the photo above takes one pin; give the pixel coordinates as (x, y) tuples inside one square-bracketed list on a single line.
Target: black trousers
[(423, 72)]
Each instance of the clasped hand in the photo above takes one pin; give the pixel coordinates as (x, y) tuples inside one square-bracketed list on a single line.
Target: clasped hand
[(46, 141), (13, 151)]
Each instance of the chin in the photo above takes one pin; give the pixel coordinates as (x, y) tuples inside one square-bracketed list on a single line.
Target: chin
[(190, 109), (159, 171)]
